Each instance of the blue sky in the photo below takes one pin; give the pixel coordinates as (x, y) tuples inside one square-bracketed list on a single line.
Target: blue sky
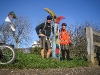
[(74, 11)]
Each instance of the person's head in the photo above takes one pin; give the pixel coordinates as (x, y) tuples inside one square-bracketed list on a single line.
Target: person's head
[(64, 25), (49, 18)]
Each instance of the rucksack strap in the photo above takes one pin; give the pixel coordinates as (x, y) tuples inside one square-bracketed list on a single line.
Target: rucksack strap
[(44, 26)]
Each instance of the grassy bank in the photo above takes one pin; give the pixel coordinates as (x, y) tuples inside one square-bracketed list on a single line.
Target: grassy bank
[(34, 61)]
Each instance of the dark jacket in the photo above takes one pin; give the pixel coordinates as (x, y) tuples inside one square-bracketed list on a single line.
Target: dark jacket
[(44, 29)]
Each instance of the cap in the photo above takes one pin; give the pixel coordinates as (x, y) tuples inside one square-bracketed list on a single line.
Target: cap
[(64, 24), (49, 17)]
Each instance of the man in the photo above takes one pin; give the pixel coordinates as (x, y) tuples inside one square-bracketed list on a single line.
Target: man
[(44, 32), (64, 41)]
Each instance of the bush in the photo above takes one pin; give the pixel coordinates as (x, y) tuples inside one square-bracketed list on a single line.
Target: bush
[(36, 50)]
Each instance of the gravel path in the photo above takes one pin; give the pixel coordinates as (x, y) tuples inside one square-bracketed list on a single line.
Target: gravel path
[(69, 71)]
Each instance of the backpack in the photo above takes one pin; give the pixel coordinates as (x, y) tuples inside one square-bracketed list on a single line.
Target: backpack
[(45, 27)]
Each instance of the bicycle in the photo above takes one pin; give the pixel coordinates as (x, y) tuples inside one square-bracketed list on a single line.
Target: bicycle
[(7, 54)]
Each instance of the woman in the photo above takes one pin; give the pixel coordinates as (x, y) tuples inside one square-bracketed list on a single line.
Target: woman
[(64, 41)]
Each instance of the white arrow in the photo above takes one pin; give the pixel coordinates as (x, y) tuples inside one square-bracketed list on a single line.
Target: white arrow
[(11, 25)]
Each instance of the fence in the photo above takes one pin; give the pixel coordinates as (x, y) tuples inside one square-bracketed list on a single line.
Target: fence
[(91, 43)]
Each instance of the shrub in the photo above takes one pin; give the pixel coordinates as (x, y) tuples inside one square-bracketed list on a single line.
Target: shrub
[(36, 50)]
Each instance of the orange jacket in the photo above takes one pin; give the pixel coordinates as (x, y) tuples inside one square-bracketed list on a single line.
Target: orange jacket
[(64, 37)]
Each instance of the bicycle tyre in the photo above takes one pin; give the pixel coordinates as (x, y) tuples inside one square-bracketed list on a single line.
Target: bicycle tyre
[(7, 49)]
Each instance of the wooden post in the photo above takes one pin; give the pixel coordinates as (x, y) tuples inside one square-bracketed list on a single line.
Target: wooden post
[(90, 46)]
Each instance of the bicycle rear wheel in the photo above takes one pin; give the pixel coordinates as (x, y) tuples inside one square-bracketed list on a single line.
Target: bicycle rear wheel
[(8, 54)]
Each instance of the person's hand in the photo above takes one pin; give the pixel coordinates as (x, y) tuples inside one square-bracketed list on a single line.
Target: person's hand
[(70, 44), (41, 34)]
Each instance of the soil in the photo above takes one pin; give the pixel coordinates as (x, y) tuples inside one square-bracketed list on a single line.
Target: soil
[(68, 71)]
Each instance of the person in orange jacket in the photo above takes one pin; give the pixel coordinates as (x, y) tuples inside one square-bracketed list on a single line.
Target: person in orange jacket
[(64, 41)]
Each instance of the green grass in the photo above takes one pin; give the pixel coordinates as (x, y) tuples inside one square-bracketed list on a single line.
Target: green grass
[(34, 61)]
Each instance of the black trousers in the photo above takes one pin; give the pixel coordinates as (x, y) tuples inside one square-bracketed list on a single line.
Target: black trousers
[(65, 54), (65, 51)]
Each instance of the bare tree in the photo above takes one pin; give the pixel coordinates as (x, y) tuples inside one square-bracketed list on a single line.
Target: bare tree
[(21, 35), (23, 31), (78, 38)]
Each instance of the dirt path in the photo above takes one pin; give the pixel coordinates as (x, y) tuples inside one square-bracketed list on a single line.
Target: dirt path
[(70, 71)]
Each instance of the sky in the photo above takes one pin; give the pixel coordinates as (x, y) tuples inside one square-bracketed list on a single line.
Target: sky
[(74, 11)]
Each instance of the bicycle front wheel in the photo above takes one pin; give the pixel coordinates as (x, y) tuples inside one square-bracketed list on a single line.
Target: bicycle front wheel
[(8, 54)]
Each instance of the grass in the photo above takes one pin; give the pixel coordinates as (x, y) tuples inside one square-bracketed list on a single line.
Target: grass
[(34, 61)]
